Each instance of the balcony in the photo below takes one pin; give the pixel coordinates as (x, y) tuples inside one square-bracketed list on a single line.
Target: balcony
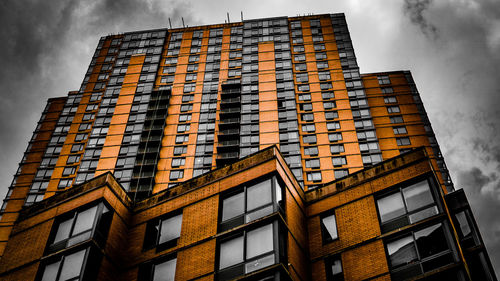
[(229, 132)]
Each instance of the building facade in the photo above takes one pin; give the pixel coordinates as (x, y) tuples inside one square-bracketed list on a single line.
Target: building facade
[(253, 150)]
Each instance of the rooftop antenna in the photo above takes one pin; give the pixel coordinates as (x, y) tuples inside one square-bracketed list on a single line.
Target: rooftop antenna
[(228, 21), (182, 18), (170, 23), (241, 15)]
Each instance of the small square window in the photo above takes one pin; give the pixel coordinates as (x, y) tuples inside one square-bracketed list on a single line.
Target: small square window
[(403, 141), (396, 119), (333, 137), (336, 148), (399, 130), (176, 174), (314, 176)]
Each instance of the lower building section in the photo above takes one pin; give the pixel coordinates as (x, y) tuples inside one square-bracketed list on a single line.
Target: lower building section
[(251, 220)]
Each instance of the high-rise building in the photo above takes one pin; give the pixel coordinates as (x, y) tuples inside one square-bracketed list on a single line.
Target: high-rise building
[(252, 150)]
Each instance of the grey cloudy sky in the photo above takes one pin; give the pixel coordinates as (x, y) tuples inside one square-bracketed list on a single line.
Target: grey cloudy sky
[(452, 48)]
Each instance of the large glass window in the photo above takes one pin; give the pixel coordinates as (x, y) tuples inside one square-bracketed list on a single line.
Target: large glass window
[(247, 252), (406, 206), (65, 268), (419, 252), (81, 225), (250, 202), (163, 232), (82, 264)]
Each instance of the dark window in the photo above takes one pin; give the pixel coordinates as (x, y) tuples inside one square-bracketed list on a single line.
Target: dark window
[(79, 265), (250, 202), (334, 270), (419, 252), (163, 233), (396, 119), (465, 229), (403, 141), (399, 130), (406, 205)]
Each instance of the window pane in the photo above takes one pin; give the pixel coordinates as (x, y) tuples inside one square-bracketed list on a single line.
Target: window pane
[(277, 190), (391, 207), (233, 206), (260, 263), (231, 252), (85, 220), (423, 214), (165, 271), (417, 195), (72, 265), (402, 251), (259, 195), (63, 230), (170, 229), (330, 225), (50, 271), (464, 224), (259, 241), (336, 267), (431, 241)]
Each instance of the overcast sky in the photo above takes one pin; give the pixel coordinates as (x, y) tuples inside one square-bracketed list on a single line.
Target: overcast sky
[(451, 47)]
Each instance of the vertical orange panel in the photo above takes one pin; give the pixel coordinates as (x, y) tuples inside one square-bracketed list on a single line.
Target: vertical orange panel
[(119, 120), (268, 106)]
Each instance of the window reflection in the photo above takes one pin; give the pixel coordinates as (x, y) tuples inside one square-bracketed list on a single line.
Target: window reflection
[(65, 268), (249, 251), (419, 252), (407, 205), (329, 228), (250, 203)]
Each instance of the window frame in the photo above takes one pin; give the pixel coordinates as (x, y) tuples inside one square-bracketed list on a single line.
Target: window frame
[(328, 266), (147, 270), (419, 260), (88, 268), (154, 231), (404, 219), (237, 269), (276, 204), (99, 230), (326, 237)]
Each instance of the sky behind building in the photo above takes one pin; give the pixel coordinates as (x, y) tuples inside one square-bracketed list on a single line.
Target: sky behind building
[(451, 47)]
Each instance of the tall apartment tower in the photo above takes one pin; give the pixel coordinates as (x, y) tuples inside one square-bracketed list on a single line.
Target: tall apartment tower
[(252, 150)]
